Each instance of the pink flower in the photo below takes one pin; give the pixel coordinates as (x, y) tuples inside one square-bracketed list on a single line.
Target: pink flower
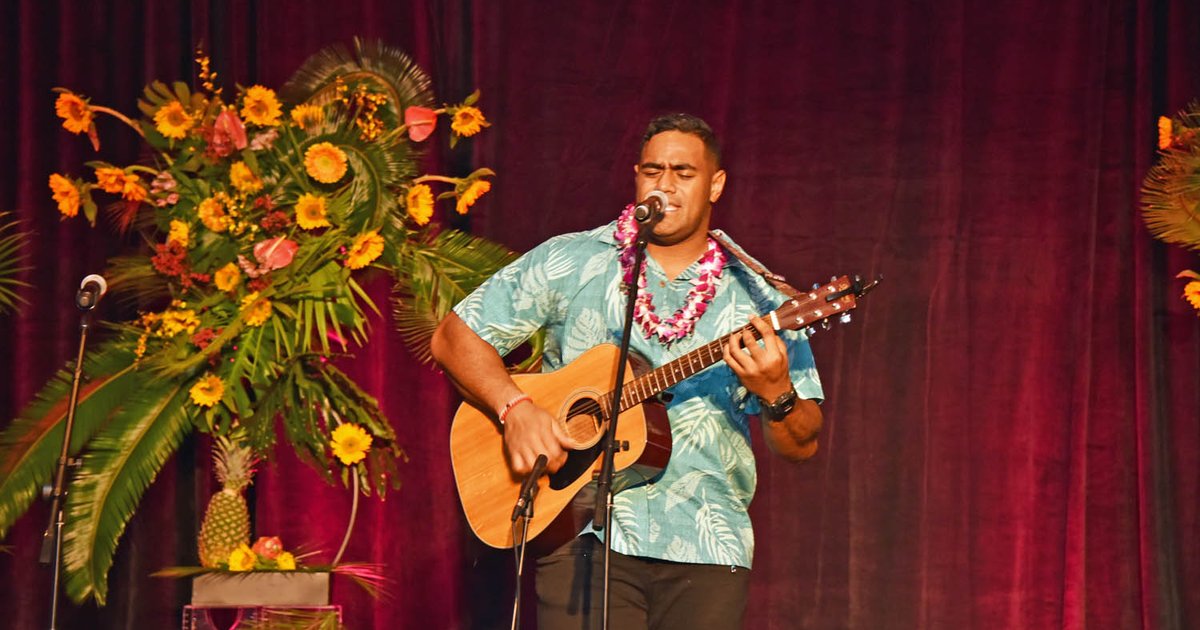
[(228, 134), (275, 253), (268, 547), (421, 122)]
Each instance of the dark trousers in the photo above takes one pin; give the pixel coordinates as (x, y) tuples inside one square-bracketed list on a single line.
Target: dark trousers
[(643, 593)]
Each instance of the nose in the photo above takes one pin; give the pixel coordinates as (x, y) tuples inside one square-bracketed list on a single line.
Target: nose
[(666, 183)]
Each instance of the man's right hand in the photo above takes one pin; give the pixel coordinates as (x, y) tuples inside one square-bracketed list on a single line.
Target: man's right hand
[(530, 431)]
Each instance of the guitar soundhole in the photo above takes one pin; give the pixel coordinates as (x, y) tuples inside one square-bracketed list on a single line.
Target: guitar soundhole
[(585, 425)]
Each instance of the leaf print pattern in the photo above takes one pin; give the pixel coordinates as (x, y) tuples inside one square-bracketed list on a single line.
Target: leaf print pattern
[(684, 489), (586, 333), (718, 539), (696, 427), (625, 518)]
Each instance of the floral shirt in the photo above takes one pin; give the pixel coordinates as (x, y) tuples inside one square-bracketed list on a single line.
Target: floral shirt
[(696, 509)]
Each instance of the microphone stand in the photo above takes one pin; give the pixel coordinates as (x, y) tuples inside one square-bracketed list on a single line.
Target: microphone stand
[(602, 519), (51, 552)]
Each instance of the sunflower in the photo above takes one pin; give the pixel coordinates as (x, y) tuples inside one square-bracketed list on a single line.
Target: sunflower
[(66, 194), (1191, 293), (227, 278), (325, 163), (307, 116), (467, 121), (366, 248), (110, 179), (285, 561), (76, 115), (261, 107), (350, 443), (243, 179), (419, 202), (255, 310), (173, 121), (207, 391), (242, 558), (178, 233), (310, 212), (212, 215), (472, 194)]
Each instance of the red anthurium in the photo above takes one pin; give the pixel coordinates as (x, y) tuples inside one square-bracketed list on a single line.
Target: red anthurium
[(275, 253), (421, 122)]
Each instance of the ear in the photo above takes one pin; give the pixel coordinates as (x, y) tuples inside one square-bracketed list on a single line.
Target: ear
[(718, 185)]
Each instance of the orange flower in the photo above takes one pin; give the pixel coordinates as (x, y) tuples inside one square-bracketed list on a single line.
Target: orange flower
[(419, 202), (1191, 293), (173, 121), (467, 121), (178, 233), (227, 278), (76, 115), (472, 194), (132, 188), (366, 248), (310, 212), (110, 179), (260, 107), (325, 162), (1165, 137), (243, 179), (255, 310), (66, 194), (307, 116), (212, 215)]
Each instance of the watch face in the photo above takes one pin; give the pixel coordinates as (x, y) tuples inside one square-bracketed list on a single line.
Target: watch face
[(783, 405)]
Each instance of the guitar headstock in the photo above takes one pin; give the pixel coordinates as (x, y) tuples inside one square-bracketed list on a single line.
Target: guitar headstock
[(822, 304)]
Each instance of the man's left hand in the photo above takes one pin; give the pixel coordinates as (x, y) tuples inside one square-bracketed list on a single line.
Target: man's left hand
[(761, 366)]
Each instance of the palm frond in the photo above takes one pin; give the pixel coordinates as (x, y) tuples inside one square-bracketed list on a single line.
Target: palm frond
[(389, 68), (30, 446), (12, 262), (1171, 191), (134, 279), (122, 461), (435, 278)]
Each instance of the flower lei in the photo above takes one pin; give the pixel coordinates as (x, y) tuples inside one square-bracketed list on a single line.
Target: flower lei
[(704, 286)]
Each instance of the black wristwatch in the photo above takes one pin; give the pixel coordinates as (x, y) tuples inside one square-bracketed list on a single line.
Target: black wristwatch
[(777, 409)]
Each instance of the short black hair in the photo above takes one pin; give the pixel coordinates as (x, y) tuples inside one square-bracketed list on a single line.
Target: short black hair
[(685, 123)]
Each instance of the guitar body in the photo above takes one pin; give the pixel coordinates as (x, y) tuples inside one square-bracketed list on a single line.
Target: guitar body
[(487, 487)]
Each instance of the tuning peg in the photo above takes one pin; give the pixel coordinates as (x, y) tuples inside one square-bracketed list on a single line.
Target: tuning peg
[(816, 285), (845, 318), (833, 278), (810, 331), (824, 324)]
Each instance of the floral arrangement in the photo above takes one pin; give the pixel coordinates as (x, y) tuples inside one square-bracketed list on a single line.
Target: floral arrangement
[(1171, 190), (258, 214), (12, 240)]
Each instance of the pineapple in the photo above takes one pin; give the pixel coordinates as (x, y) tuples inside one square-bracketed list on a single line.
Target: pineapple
[(227, 520)]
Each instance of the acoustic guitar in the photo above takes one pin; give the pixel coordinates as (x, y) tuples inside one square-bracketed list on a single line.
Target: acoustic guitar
[(579, 395)]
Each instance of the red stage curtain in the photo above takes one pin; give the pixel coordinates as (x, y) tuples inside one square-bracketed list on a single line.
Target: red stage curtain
[(1013, 419)]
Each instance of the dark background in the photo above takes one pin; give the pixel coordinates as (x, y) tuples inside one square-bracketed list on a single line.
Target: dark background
[(1012, 422)]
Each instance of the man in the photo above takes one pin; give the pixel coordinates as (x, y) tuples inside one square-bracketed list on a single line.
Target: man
[(682, 543)]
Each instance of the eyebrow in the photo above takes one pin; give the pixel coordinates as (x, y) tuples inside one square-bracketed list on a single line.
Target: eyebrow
[(673, 167)]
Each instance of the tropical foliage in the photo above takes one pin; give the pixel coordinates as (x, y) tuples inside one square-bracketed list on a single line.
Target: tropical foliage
[(1171, 191), (259, 214), (12, 239)]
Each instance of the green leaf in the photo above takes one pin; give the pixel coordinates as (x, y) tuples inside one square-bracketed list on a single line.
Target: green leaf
[(12, 262), (122, 461)]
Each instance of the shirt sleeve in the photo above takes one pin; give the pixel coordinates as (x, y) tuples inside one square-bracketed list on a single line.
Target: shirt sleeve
[(515, 302)]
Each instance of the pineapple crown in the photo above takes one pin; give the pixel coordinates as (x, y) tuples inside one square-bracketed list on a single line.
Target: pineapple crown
[(233, 463)]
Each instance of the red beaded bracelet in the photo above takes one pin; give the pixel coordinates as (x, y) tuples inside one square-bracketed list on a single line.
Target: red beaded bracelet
[(503, 413)]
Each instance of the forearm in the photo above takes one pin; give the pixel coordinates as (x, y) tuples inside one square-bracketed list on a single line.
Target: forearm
[(794, 437), (474, 367)]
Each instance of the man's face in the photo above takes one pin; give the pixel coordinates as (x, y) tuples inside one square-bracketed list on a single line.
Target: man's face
[(678, 164)]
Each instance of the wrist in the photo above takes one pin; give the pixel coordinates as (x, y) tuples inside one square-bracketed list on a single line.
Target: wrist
[(777, 408), (503, 410)]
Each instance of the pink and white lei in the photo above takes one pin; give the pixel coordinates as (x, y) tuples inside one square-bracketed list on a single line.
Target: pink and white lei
[(704, 286)]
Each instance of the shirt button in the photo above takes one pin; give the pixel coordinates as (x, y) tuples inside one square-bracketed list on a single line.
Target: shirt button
[(662, 284)]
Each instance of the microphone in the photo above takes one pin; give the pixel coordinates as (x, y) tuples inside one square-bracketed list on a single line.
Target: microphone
[(91, 289), (528, 487), (651, 209)]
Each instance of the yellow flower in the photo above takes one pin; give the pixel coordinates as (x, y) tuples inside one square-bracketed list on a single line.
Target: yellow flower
[(66, 194), (243, 179), (178, 233), (173, 121), (1191, 292), (350, 443), (472, 194), (325, 162), (366, 248), (177, 320), (207, 392), (260, 106), (212, 215), (227, 277), (1164, 132), (255, 310), (76, 115), (307, 116), (132, 188), (110, 179), (467, 121), (242, 558), (419, 202), (310, 212), (285, 561)]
